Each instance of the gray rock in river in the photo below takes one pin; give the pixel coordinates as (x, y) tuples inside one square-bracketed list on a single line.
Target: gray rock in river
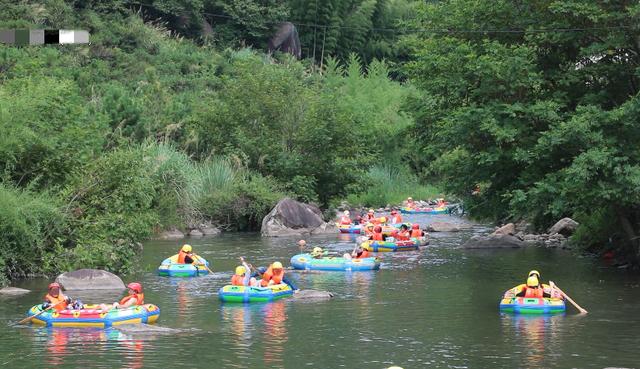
[(171, 234), (90, 279), (493, 241), (565, 226), (507, 229), (290, 217), (195, 233), (13, 291), (444, 227), (209, 231), (312, 295)]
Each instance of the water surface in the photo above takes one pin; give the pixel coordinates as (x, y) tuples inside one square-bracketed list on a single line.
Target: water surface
[(435, 308)]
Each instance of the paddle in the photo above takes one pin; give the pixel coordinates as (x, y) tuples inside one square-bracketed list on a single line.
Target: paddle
[(203, 264), (582, 311), (28, 319)]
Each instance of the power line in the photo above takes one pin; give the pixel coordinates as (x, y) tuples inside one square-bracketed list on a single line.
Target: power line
[(414, 30)]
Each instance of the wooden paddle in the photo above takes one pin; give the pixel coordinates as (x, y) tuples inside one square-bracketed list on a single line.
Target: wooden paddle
[(203, 264), (28, 319), (582, 311)]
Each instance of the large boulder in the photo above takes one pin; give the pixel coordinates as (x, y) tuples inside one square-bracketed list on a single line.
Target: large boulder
[(13, 291), (565, 227), (507, 229), (90, 279), (493, 241), (443, 227), (290, 217), (171, 234)]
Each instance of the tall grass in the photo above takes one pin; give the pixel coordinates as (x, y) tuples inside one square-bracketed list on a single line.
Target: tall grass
[(383, 185)]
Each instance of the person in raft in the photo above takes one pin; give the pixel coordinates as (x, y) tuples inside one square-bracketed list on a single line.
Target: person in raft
[(410, 203), (371, 215), (241, 277), (55, 298), (317, 253), (360, 253), (134, 297), (377, 234), (395, 217), (186, 256), (345, 219), (533, 288), (273, 275), (416, 232)]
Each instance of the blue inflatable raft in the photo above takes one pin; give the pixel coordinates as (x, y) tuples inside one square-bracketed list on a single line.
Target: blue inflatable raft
[(306, 262)]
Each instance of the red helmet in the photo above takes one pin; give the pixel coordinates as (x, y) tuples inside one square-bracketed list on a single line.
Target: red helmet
[(415, 226), (377, 229), (135, 286), (54, 285)]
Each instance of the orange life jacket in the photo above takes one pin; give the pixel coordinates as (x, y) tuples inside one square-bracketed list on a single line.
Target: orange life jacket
[(377, 237), (138, 296), (396, 219), (345, 220), (181, 256), (403, 236), (415, 233), (54, 300), (364, 254), (371, 216), (270, 275), (237, 280), (534, 292)]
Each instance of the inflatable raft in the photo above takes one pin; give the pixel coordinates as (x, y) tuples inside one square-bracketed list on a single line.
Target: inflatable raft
[(230, 293), (535, 305), (170, 268), (351, 228), (306, 262), (394, 246), (440, 210), (92, 316)]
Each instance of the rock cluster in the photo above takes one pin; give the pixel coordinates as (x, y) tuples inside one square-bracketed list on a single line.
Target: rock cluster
[(204, 229), (512, 235)]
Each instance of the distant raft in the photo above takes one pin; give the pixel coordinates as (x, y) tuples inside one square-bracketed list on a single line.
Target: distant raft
[(230, 293), (92, 316), (307, 262), (350, 228), (394, 246), (439, 210), (170, 268), (532, 305)]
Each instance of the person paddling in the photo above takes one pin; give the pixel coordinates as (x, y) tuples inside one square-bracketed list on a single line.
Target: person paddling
[(186, 256), (55, 298), (243, 277), (133, 298), (533, 288)]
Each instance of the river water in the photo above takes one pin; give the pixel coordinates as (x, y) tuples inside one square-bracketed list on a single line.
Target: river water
[(437, 308)]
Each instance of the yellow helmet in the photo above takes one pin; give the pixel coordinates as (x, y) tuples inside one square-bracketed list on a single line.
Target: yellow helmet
[(346, 212), (534, 272), (317, 250), (533, 281), (240, 270), (186, 248), (276, 265), (383, 219)]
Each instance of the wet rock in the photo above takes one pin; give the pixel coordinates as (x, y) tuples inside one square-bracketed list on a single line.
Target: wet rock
[(507, 229), (493, 241), (90, 279), (565, 226), (209, 231), (290, 217), (146, 329), (195, 233), (171, 234), (13, 291), (443, 227), (312, 295)]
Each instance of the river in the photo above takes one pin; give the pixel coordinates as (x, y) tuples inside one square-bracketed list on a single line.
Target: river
[(437, 308)]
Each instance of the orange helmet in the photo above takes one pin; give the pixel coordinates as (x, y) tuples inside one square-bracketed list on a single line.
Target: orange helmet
[(135, 286)]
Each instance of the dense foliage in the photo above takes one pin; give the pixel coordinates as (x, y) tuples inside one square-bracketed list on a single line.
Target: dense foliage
[(108, 143), (536, 103)]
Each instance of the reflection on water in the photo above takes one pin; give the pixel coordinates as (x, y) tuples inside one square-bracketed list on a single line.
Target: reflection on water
[(436, 307)]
